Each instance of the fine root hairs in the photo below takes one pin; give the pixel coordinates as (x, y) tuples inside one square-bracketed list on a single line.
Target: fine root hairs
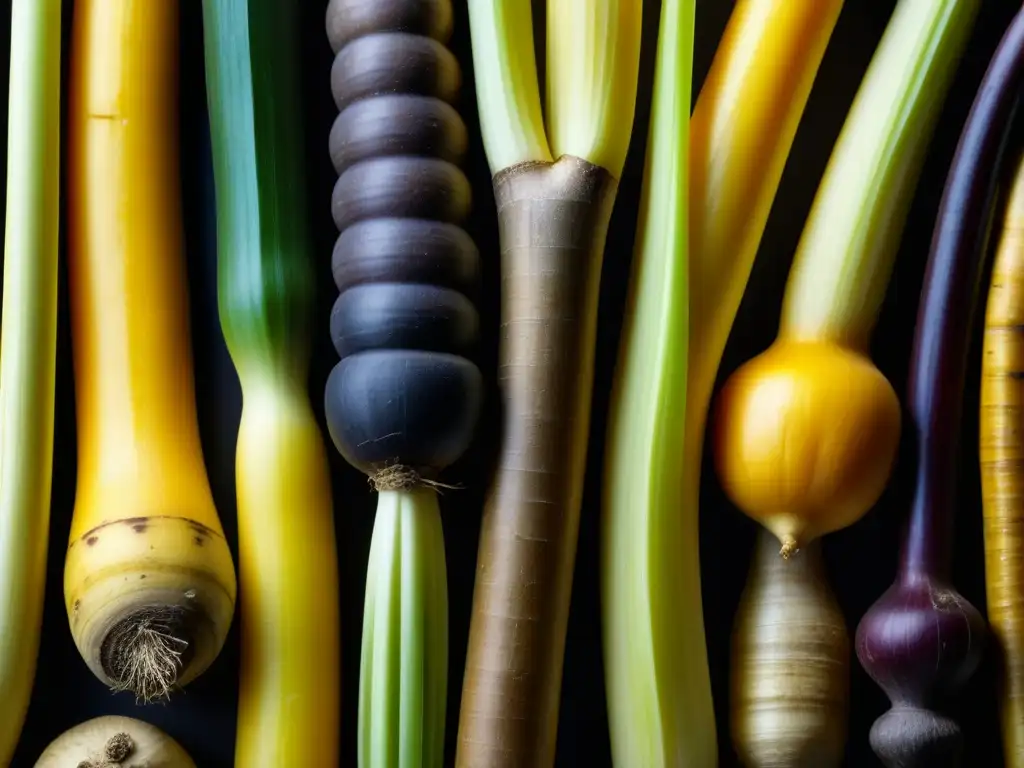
[(397, 477), (144, 652)]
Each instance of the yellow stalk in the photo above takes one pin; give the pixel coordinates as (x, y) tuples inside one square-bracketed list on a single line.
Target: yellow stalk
[(149, 584), (681, 312)]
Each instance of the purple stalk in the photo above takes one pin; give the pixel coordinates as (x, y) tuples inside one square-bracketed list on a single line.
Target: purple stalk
[(921, 641)]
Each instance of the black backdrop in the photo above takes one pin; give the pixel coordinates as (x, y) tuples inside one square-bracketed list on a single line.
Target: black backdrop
[(861, 560)]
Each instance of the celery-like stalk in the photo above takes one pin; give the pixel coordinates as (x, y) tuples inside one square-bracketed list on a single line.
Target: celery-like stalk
[(849, 243), (511, 120), (659, 691), (740, 135), (29, 343), (405, 635), (591, 83), (290, 677)]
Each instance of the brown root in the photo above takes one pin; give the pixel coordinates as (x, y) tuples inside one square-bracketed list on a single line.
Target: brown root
[(398, 477), (143, 653)]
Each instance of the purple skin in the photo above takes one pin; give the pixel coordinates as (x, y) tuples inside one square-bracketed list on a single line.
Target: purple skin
[(922, 641)]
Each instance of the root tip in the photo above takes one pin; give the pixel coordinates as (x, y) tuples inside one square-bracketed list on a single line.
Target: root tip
[(789, 547), (119, 748), (143, 653)]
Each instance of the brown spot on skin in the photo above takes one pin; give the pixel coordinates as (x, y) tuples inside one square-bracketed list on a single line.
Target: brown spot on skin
[(139, 527), (199, 540), (142, 577), (199, 528), (92, 540), (78, 604)]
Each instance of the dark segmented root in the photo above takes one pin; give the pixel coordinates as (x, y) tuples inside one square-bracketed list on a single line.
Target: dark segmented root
[(146, 653), (119, 748), (398, 477)]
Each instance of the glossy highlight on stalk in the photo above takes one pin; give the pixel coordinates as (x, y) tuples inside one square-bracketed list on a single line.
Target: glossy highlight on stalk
[(1001, 447), (555, 187), (29, 348), (149, 583), (289, 694), (922, 640), (403, 402)]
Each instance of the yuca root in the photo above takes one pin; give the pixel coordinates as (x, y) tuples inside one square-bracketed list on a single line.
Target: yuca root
[(144, 653), (553, 218)]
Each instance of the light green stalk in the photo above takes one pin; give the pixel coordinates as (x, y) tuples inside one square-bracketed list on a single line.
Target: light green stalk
[(28, 341), (849, 244), (659, 691), (511, 120), (404, 666)]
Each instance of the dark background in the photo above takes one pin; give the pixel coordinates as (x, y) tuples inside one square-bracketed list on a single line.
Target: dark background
[(861, 560)]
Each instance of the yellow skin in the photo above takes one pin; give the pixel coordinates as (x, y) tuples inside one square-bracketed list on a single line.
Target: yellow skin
[(806, 437), (145, 529)]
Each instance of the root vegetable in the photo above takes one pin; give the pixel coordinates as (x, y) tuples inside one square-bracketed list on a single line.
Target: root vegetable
[(149, 584), (1002, 449), (922, 640), (807, 432), (790, 636), (554, 188), (29, 349), (403, 402), (114, 742)]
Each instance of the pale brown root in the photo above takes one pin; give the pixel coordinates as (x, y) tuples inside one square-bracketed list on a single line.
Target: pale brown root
[(398, 477), (789, 547), (143, 654)]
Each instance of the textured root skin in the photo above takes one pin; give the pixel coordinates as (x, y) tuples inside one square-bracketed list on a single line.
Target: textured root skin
[(553, 219), (118, 748), (145, 653), (790, 663), (908, 737)]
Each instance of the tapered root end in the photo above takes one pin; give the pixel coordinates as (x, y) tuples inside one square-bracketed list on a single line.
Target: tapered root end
[(789, 547), (906, 737), (146, 652)]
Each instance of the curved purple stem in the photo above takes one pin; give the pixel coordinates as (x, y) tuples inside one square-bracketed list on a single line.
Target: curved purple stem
[(946, 312), (922, 640)]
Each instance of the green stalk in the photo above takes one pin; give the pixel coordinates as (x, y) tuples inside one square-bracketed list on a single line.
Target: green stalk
[(511, 120), (659, 691), (846, 253), (403, 678), (288, 574), (28, 341)]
